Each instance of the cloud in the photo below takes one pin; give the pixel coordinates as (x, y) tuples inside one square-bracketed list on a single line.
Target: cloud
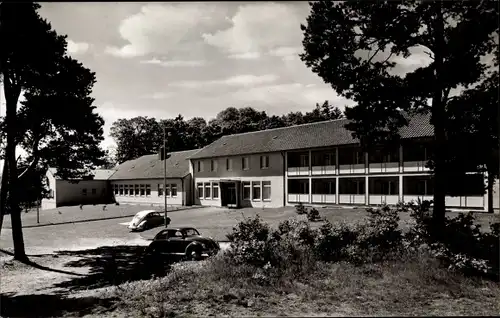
[(175, 63), (245, 56), (287, 53), (158, 95), (290, 96), (259, 27), (161, 28), (77, 47), (238, 80)]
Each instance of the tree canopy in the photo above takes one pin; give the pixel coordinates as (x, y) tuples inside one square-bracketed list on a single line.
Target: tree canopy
[(55, 123), (360, 48), (140, 136)]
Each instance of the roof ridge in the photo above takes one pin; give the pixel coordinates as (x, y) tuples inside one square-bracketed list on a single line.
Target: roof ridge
[(287, 127)]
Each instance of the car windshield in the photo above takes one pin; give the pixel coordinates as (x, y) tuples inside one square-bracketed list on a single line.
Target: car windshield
[(191, 232)]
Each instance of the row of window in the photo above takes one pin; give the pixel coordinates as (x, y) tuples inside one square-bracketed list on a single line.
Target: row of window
[(353, 156), (245, 164), (144, 190), (255, 190), (471, 185)]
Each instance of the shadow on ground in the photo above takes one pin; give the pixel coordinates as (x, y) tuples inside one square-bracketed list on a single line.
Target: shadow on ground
[(113, 265), (52, 305)]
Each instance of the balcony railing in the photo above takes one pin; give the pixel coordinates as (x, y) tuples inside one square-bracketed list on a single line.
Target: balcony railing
[(297, 197), (352, 199), (383, 199), (323, 170), (298, 171), (352, 168), (414, 166), (383, 167), (324, 198)]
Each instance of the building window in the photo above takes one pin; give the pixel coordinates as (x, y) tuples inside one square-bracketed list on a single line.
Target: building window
[(173, 188), (264, 162), (304, 160), (84, 191), (200, 166), (116, 189), (207, 190), (246, 190), (255, 190), (143, 189), (298, 186), (229, 164), (213, 165), (136, 189), (126, 189), (199, 186), (94, 191), (245, 163), (121, 189), (215, 190), (266, 190), (160, 189), (148, 190)]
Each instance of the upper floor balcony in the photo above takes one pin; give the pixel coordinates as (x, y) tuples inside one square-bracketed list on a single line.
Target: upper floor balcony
[(352, 160)]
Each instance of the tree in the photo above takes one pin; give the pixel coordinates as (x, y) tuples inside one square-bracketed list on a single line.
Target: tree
[(42, 124), (352, 46), (136, 137)]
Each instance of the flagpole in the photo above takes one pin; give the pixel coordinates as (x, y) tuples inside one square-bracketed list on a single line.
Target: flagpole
[(165, 173)]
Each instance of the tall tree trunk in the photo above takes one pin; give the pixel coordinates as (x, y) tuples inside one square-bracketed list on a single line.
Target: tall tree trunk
[(491, 182), (3, 193), (438, 120), (12, 93)]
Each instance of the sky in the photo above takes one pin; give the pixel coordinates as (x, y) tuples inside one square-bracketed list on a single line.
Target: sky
[(195, 59)]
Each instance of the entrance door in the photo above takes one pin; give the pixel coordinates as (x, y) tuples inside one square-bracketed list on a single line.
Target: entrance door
[(228, 194)]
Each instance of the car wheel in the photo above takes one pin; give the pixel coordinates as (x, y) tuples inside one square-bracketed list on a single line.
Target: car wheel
[(194, 254)]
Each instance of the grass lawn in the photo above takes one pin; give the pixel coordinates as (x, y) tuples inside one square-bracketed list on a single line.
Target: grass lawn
[(418, 287), (88, 212), (217, 223)]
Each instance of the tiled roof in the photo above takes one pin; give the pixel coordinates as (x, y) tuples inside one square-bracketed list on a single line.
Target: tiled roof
[(150, 167), (314, 135), (99, 174)]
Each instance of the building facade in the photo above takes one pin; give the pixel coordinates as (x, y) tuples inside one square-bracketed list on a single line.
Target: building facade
[(140, 181), (91, 190), (254, 180), (322, 164)]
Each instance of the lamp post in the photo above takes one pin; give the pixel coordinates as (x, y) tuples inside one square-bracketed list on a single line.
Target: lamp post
[(167, 220)]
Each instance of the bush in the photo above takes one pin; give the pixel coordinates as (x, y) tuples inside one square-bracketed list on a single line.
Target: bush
[(300, 209), (313, 215), (286, 251), (460, 245)]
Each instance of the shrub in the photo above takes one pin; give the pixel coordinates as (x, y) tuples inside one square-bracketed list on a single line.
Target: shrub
[(313, 215), (460, 245), (300, 209)]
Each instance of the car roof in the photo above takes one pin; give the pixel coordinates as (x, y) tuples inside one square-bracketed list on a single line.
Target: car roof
[(144, 212)]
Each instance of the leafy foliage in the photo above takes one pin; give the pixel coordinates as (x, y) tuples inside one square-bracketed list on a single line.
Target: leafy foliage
[(51, 83), (462, 245), (140, 136), (360, 48)]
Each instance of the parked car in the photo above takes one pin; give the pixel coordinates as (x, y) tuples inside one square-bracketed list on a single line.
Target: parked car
[(146, 219), (184, 241)]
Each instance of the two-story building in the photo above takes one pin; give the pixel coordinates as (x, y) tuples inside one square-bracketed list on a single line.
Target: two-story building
[(321, 163)]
